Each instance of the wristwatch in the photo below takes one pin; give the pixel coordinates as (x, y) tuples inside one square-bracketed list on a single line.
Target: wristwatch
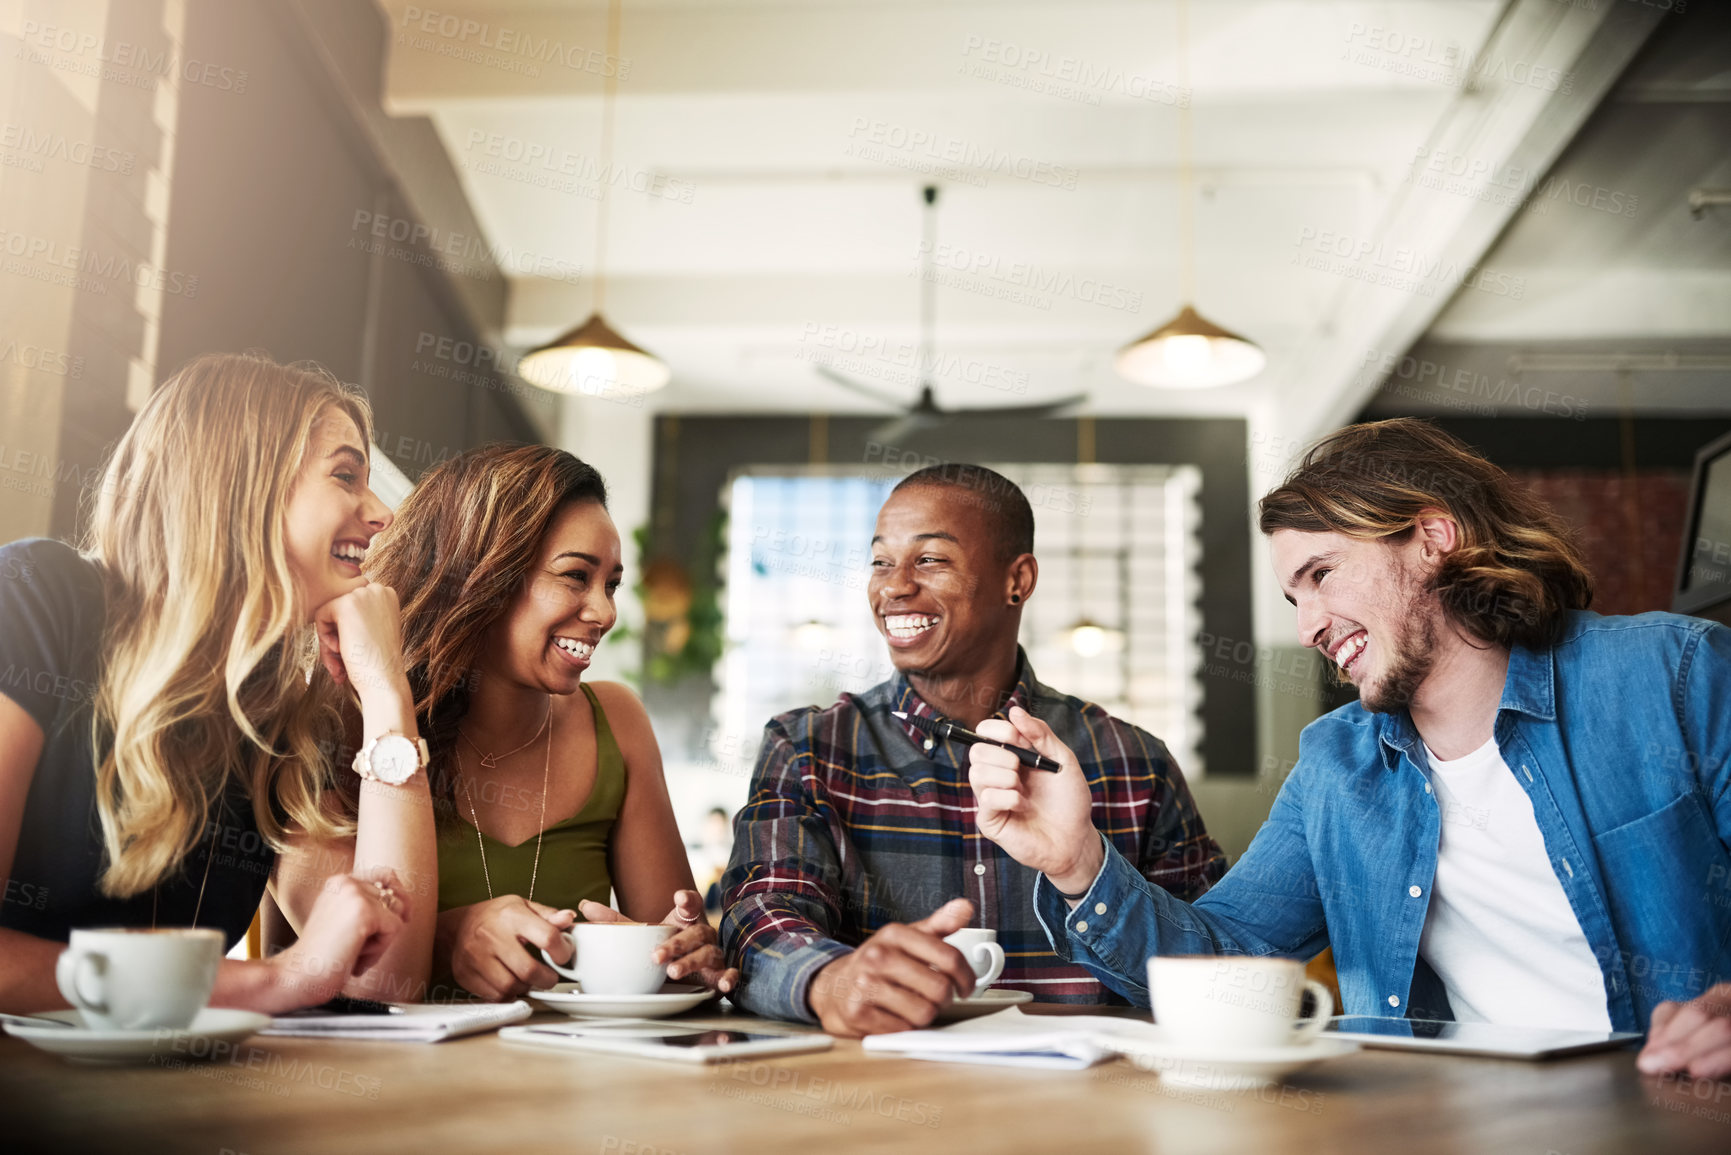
[(391, 758)]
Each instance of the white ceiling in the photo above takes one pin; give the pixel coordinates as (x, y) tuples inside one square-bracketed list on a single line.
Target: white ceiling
[(784, 242)]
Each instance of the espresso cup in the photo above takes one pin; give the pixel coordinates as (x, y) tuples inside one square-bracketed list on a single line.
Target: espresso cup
[(984, 955), (1221, 1001), (137, 980), (612, 958)]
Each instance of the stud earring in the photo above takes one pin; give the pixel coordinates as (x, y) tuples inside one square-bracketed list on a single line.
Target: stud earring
[(1015, 599)]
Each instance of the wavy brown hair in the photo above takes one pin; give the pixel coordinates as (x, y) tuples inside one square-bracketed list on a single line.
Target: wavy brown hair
[(202, 679), (462, 547), (1515, 573)]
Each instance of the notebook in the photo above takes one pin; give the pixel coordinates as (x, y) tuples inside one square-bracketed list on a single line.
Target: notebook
[(1010, 1038), (419, 1022)]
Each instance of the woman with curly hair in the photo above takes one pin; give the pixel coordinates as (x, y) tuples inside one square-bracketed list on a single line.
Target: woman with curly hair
[(548, 788)]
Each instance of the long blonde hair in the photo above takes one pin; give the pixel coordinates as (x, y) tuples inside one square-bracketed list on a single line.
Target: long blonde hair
[(201, 679)]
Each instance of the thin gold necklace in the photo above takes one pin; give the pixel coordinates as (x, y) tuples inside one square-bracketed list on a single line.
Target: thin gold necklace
[(491, 761), (469, 792)]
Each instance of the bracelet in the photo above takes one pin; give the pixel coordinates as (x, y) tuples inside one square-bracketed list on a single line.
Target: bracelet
[(1070, 897)]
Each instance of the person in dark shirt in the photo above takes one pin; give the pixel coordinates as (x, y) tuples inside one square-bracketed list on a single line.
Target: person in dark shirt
[(168, 696)]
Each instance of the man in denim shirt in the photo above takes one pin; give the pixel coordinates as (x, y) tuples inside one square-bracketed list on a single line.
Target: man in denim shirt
[(1526, 816)]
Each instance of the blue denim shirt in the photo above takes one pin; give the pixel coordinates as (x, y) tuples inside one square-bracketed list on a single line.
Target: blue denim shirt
[(1621, 737)]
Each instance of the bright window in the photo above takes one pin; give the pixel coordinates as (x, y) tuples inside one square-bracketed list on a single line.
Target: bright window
[(1118, 547)]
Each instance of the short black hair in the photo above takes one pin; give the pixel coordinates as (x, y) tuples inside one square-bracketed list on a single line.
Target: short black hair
[(1002, 500)]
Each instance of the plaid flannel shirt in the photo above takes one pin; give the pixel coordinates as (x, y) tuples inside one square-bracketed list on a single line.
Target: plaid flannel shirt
[(850, 825)]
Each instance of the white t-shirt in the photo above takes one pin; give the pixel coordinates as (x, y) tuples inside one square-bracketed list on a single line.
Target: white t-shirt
[(1499, 931)]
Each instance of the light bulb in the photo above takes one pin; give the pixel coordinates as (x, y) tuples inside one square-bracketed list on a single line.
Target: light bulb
[(1089, 641)]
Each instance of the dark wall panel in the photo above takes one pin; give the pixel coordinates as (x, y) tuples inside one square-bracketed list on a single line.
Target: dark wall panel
[(275, 196), (266, 186)]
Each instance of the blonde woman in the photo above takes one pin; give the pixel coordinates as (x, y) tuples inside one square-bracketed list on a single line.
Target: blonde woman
[(548, 788), (164, 729)]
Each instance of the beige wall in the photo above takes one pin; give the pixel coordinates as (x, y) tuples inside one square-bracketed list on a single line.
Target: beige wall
[(185, 176), (82, 164)]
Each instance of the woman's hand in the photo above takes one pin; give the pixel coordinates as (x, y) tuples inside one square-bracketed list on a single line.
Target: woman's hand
[(353, 921), (493, 945), (692, 952), (361, 643)]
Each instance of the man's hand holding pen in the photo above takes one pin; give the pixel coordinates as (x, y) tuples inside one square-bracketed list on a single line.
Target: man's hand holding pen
[(1041, 820), (943, 730)]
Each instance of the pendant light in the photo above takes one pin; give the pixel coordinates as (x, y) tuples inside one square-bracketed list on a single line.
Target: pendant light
[(593, 358), (1090, 639), (1085, 636), (1189, 351)]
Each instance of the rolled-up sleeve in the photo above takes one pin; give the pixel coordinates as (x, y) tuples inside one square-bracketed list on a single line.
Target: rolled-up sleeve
[(779, 894)]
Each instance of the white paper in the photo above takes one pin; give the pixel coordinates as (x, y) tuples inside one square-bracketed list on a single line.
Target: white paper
[(1012, 1039)]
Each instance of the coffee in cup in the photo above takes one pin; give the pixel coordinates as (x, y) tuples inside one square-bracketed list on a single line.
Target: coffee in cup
[(1233, 1001), (123, 979), (612, 958), (980, 947)]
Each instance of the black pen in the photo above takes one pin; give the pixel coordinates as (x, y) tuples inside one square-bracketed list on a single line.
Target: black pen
[(344, 1005), (940, 731)]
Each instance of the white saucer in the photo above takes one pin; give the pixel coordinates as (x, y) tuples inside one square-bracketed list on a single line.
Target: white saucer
[(569, 999), (986, 1002), (1226, 1068), (87, 1045)]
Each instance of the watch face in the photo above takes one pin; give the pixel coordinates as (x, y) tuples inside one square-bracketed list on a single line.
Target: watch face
[(394, 760)]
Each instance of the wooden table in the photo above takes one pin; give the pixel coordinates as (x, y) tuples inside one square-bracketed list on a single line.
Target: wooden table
[(482, 1095)]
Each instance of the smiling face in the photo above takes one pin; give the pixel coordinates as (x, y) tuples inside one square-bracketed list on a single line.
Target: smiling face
[(1365, 606), (331, 514), (548, 634), (940, 585)]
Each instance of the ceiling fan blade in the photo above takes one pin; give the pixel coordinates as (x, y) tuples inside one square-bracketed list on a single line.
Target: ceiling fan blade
[(1043, 409), (853, 386), (895, 432)]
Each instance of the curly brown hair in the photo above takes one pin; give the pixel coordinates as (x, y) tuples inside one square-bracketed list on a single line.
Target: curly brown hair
[(461, 548), (1516, 571)]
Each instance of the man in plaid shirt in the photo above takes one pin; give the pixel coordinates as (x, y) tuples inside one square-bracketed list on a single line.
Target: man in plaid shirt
[(857, 850)]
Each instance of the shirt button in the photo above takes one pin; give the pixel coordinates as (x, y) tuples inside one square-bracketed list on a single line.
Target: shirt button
[(1427, 787), (1081, 928), (1394, 1000), (1414, 891), (1099, 908), (979, 868)]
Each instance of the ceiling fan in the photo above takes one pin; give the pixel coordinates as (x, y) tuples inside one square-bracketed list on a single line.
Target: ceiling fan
[(925, 413)]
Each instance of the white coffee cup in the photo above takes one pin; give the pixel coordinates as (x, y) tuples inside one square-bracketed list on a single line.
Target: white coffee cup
[(1232, 1001), (612, 958), (981, 949), (139, 979)]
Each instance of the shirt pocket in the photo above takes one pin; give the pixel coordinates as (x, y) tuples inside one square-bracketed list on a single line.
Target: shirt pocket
[(1663, 873)]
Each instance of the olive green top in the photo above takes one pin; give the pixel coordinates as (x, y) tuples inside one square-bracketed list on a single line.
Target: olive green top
[(573, 852)]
